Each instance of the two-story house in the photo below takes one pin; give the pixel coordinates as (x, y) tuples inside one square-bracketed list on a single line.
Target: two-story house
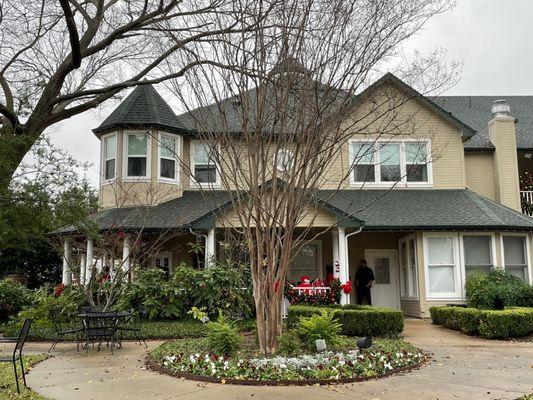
[(422, 234)]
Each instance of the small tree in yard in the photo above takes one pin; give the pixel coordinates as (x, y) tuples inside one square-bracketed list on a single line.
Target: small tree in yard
[(294, 98)]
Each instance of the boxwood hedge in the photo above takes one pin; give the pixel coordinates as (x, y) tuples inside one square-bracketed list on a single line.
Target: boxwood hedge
[(356, 320), (490, 324)]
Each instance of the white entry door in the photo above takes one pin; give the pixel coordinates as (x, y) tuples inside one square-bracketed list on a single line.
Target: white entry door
[(386, 290)]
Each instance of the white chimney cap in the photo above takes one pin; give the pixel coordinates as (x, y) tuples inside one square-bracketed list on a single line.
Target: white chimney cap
[(500, 108)]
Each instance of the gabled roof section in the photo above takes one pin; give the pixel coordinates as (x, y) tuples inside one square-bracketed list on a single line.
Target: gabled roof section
[(390, 78), (143, 108), (475, 111)]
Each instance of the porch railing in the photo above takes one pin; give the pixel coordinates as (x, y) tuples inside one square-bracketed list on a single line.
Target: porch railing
[(526, 199), (304, 290)]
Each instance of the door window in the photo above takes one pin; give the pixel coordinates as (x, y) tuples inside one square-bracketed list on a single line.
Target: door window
[(382, 270)]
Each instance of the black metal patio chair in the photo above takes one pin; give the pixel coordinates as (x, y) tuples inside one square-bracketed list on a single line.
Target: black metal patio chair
[(134, 327), (17, 351), (100, 327), (63, 329)]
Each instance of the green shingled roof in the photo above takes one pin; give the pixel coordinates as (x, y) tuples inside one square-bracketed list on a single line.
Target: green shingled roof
[(143, 108), (400, 210)]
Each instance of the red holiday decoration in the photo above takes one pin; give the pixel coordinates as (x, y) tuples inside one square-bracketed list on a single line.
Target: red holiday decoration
[(347, 287), (59, 289)]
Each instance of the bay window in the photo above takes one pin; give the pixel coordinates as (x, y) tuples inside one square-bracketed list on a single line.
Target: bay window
[(168, 157), (137, 155), (204, 163), (477, 252), (442, 266), (388, 162), (515, 255), (110, 156)]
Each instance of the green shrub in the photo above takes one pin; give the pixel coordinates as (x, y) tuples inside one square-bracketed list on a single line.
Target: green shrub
[(13, 298), (496, 290), (356, 320), (322, 325), (491, 324), (289, 343), (216, 288), (223, 337), (509, 323)]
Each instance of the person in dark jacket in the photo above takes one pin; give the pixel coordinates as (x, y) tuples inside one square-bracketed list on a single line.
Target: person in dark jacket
[(364, 278)]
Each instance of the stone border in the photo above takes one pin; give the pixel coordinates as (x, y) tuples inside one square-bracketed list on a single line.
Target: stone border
[(157, 367)]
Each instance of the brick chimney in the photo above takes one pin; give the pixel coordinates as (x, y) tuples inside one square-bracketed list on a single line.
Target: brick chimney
[(502, 134)]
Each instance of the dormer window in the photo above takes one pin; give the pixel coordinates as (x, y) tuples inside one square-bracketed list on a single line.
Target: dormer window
[(137, 155), (110, 156), (204, 163), (169, 147)]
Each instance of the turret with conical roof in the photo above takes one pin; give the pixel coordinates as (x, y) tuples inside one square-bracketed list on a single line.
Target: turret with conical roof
[(143, 108)]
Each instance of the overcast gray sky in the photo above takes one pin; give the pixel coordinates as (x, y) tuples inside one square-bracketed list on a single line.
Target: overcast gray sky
[(491, 37)]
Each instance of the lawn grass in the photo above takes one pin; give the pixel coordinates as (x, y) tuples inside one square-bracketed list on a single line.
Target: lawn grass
[(8, 387), (188, 328)]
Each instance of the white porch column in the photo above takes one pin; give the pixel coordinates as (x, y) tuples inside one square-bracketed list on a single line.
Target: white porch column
[(210, 248), (67, 261), (126, 256), (83, 268), (335, 245), (89, 261), (343, 261)]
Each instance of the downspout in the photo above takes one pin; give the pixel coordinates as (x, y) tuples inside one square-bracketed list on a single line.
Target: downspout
[(357, 231)]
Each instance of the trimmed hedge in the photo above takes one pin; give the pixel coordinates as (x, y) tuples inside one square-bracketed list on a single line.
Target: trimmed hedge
[(356, 320), (490, 324)]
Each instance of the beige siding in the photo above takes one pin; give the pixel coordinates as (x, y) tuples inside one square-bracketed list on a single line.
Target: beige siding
[(480, 173)]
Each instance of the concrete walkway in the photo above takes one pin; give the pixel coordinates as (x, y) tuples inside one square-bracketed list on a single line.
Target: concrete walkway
[(463, 368)]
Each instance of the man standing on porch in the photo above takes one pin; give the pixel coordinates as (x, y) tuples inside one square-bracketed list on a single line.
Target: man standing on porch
[(364, 278)]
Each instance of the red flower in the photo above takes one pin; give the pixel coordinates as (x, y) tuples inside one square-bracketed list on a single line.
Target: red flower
[(347, 287), (59, 289)]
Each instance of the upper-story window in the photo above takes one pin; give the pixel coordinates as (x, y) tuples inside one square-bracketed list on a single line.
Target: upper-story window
[(204, 163), (110, 156), (389, 162), (137, 155), (169, 150), (284, 160)]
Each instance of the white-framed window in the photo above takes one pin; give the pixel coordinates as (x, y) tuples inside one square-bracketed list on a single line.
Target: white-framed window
[(443, 272), (109, 151), (204, 164), (137, 155), (478, 252), (284, 160), (515, 250), (388, 162), (408, 267), (168, 157)]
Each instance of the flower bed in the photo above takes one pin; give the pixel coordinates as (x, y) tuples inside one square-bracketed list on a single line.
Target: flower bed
[(490, 324), (191, 360)]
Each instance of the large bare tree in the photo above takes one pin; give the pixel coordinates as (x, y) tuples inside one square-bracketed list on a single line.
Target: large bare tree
[(61, 58), (282, 117)]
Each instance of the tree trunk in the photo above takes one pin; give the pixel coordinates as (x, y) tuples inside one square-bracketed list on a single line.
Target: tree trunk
[(13, 148), (268, 310)]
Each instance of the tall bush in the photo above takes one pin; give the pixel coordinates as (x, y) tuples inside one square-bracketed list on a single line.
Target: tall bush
[(496, 290), (13, 298)]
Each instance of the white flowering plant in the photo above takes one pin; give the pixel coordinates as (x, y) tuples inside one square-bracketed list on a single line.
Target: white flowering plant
[(385, 356)]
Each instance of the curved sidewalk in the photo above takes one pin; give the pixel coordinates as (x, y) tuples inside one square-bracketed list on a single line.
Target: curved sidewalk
[(463, 368)]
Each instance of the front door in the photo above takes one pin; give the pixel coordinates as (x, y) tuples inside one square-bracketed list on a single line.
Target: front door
[(384, 263)]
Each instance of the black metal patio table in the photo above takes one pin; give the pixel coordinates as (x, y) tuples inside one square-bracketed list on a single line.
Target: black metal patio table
[(101, 326)]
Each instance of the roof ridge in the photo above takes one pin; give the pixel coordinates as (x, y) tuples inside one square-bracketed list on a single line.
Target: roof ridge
[(483, 207), (518, 214)]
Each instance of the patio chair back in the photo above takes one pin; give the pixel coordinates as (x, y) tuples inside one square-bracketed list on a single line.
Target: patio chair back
[(23, 335)]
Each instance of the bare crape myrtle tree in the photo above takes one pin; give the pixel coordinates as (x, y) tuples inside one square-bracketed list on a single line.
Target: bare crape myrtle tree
[(295, 95)]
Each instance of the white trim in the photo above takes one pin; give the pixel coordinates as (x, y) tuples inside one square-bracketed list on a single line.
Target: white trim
[(193, 183), (458, 279), (103, 159), (125, 155), (177, 158), (527, 250), (402, 183), (411, 295)]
